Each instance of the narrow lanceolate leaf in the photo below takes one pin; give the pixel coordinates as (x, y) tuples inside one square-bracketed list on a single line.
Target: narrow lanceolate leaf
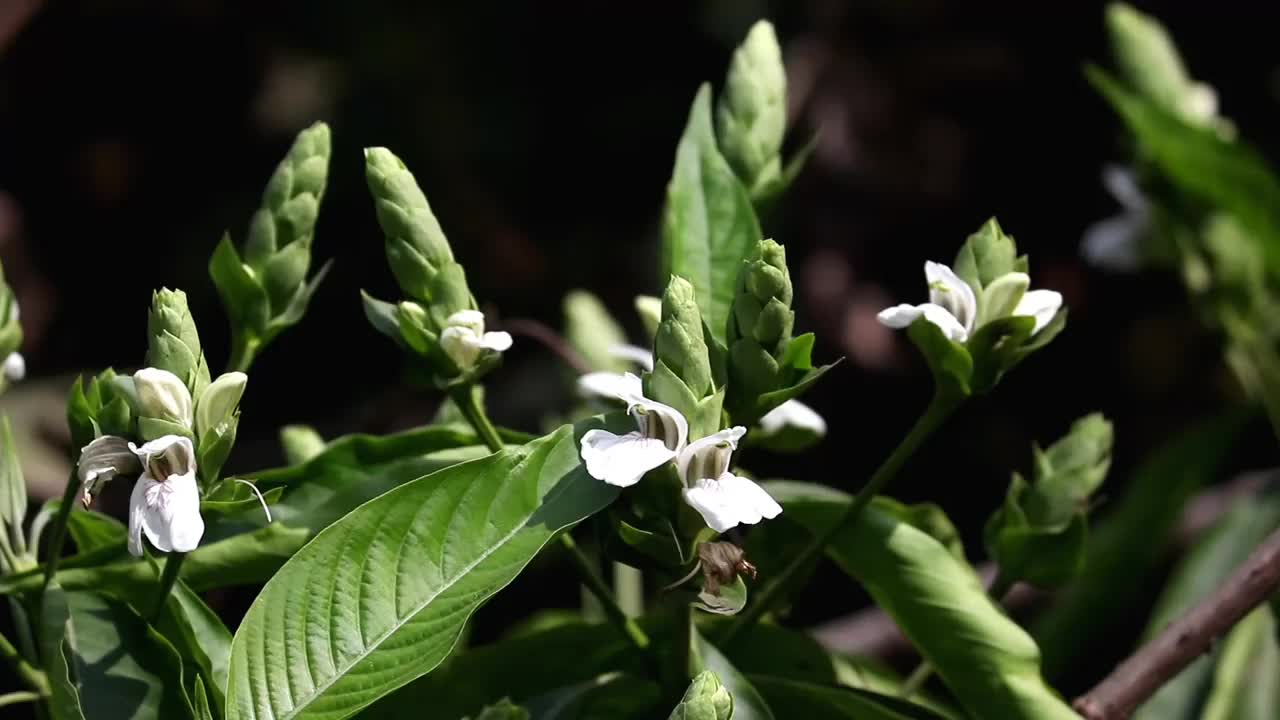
[(989, 663), (13, 492), (380, 597), (1246, 682), (708, 226)]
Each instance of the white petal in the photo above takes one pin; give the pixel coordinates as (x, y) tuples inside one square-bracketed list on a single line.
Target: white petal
[(162, 395), (1123, 186), (103, 459), (730, 436), (1040, 304), (496, 341), (15, 367), (793, 413), (610, 385), (167, 512), (900, 316), (176, 452), (622, 459), (462, 345), (675, 425), (1114, 243), (217, 403), (948, 291), (730, 501), (636, 354), (1201, 102), (470, 319), (950, 326)]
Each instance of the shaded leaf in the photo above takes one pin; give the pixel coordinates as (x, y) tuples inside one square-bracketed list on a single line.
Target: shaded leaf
[(748, 704)]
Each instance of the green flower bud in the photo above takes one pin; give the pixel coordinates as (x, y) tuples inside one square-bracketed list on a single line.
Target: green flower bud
[(1150, 63), (649, 308), (679, 344), (300, 443), (706, 699), (218, 403), (416, 245), (751, 114), (174, 343), (760, 327), (986, 256), (160, 400)]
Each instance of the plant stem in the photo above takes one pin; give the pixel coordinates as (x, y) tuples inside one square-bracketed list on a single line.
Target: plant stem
[(244, 348), (36, 679), (1000, 586), (596, 585), (172, 566), (59, 536), (19, 696), (939, 409), (628, 586), (465, 399), (471, 410)]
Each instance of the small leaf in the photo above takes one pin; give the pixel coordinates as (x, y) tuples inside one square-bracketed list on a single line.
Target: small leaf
[(949, 362), (492, 515), (747, 702), (728, 601), (708, 225), (300, 443)]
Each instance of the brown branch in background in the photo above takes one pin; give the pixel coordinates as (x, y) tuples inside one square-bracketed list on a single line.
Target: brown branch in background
[(551, 339), (1186, 638), (873, 633)]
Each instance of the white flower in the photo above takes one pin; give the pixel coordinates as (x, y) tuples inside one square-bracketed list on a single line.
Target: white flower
[(953, 305), (723, 499), (634, 353), (610, 385), (622, 460), (15, 367), (165, 504), (794, 414), (156, 393), (100, 461), (465, 339)]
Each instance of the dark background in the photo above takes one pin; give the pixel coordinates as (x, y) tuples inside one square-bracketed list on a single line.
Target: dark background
[(132, 134)]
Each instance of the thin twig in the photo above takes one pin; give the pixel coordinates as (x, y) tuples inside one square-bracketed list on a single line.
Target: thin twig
[(1186, 638), (549, 338)]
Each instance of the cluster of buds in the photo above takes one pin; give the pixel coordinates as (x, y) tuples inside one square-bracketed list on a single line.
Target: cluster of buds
[(439, 321)]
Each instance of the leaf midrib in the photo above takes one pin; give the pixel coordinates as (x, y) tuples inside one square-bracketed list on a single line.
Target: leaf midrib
[(370, 648)]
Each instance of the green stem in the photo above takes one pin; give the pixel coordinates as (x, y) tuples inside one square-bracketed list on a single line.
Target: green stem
[(465, 399), (628, 586), (244, 348), (36, 679), (1000, 586), (591, 579), (939, 409), (59, 536), (172, 566), (19, 696)]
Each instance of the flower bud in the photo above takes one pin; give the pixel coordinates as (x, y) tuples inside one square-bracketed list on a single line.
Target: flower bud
[(679, 344), (706, 699), (174, 343), (415, 244), (218, 402), (161, 400), (649, 308), (1151, 65), (760, 327), (751, 114)]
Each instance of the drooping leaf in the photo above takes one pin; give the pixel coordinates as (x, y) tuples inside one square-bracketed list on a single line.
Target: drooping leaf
[(709, 225), (1201, 572), (748, 704), (401, 574), (989, 663), (808, 700)]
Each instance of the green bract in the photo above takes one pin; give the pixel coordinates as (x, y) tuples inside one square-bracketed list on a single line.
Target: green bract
[(173, 342), (682, 371), (706, 699)]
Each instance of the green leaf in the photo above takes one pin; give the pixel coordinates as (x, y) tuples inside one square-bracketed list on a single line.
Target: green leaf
[(13, 493), (382, 315), (57, 655), (609, 697), (503, 710), (1246, 682), (430, 552), (91, 530), (747, 701), (200, 637), (300, 443), (709, 225), (987, 255), (1127, 545), (989, 663), (837, 703), (1202, 571), (728, 601), (122, 668), (948, 361), (1222, 173), (240, 500), (243, 296), (592, 331), (201, 702)]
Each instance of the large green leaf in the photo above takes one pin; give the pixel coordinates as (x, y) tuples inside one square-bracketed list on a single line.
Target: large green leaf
[(380, 597), (1201, 572), (989, 663), (350, 471), (708, 226), (200, 637), (520, 668), (747, 701), (1127, 544), (825, 702), (1223, 173), (57, 656), (1246, 682), (119, 667)]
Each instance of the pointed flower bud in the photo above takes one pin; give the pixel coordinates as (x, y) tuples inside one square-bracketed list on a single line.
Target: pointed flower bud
[(465, 341), (1152, 66), (161, 401), (751, 114), (706, 699), (415, 244), (217, 404), (174, 343), (679, 345)]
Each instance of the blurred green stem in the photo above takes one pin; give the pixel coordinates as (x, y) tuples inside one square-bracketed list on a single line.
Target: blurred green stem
[(19, 696), (470, 408), (36, 679), (244, 348), (59, 536), (940, 408)]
